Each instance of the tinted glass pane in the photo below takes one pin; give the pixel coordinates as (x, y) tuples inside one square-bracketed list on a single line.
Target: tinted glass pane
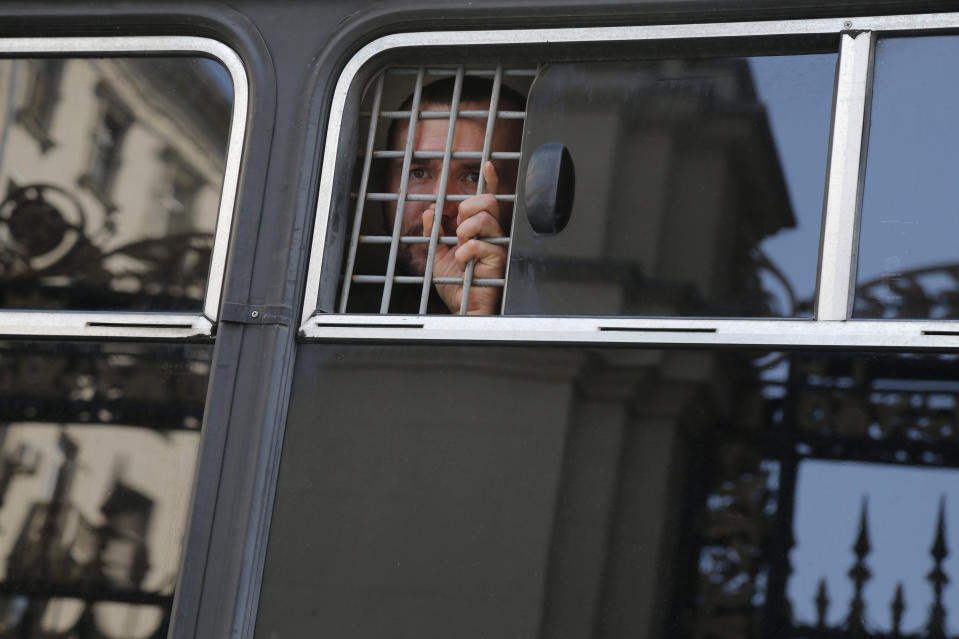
[(542, 492), (907, 254), (110, 178), (97, 448), (698, 188)]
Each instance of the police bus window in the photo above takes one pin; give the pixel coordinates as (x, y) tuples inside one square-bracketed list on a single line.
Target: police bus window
[(693, 187)]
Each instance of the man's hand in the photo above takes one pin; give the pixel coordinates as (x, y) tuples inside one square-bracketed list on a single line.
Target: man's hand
[(476, 216)]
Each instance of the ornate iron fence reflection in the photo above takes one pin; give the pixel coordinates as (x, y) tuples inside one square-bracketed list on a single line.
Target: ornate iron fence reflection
[(930, 292), (50, 259), (898, 409), (855, 624)]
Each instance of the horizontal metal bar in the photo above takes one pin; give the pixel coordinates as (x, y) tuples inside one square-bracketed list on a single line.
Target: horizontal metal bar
[(414, 279), (451, 71), (443, 115), (652, 331), (431, 197), (418, 239), (457, 155), (103, 324)]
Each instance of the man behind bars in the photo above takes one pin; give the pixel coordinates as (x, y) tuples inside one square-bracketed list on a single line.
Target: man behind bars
[(480, 215)]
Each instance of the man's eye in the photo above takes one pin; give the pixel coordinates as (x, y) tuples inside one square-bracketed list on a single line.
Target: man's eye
[(419, 173), (473, 177)]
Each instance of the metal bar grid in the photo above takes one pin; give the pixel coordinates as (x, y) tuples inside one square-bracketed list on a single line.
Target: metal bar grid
[(416, 109)]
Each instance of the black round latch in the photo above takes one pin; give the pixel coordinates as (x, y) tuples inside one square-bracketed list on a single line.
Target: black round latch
[(550, 184)]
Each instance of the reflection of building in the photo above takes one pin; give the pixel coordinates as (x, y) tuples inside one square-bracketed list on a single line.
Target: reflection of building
[(99, 510), (111, 170), (677, 183), (134, 150), (582, 493), (96, 468)]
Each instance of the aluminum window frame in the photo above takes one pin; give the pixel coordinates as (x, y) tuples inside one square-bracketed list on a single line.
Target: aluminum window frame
[(839, 239), (150, 325)]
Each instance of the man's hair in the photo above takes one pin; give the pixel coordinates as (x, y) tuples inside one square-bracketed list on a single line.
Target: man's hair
[(473, 89)]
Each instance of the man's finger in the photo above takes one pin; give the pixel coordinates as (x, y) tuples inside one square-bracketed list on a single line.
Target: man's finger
[(492, 179), (428, 216), (482, 224), (477, 204), (490, 258)]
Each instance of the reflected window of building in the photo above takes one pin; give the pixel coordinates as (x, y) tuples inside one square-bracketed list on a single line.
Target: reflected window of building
[(110, 128), (40, 103), (178, 194), (124, 554)]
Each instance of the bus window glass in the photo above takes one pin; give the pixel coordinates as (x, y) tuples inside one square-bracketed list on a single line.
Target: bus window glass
[(97, 448), (908, 259), (111, 171), (478, 491), (698, 188)]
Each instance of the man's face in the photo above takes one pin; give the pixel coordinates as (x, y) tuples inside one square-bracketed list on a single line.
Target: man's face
[(424, 175)]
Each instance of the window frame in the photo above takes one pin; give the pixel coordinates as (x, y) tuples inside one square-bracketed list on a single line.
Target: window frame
[(153, 325), (836, 272)]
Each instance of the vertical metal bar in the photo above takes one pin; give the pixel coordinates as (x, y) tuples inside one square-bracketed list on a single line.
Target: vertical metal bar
[(401, 199), (361, 196), (487, 143), (839, 252), (441, 192)]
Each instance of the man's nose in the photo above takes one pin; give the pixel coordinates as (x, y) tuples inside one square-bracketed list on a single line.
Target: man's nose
[(450, 209)]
